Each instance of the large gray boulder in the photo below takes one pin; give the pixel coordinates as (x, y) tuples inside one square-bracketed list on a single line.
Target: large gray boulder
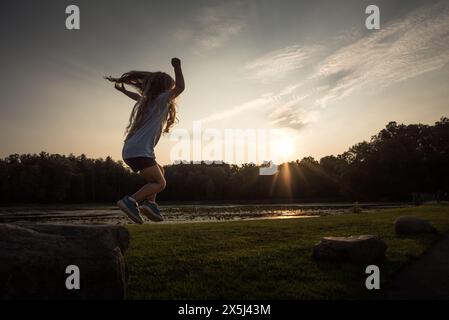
[(409, 225), (359, 249), (34, 258)]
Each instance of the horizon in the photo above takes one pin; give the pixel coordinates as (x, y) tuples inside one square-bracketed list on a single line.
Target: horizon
[(328, 86), (210, 161)]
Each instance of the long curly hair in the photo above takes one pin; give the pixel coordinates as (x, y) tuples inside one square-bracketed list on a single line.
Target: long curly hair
[(150, 85)]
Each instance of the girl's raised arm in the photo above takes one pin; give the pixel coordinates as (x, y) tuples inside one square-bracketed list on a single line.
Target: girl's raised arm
[(179, 79), (120, 87)]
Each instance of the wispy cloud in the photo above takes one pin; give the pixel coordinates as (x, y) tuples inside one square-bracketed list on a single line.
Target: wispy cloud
[(277, 64), (404, 49), (212, 27), (401, 50), (291, 117), (264, 101), (282, 108), (292, 110)]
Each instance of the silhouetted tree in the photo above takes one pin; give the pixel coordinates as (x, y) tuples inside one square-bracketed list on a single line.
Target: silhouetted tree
[(397, 162)]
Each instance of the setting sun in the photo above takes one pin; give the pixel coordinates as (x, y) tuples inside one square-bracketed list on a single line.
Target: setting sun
[(284, 148)]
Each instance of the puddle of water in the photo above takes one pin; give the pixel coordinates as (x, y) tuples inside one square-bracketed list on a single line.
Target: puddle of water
[(178, 213)]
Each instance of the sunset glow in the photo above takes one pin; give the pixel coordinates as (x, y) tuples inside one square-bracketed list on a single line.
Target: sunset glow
[(312, 69)]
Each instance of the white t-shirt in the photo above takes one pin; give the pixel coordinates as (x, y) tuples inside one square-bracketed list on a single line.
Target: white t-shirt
[(143, 141)]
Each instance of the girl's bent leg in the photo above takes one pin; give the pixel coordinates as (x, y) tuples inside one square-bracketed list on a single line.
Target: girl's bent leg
[(152, 198), (155, 183)]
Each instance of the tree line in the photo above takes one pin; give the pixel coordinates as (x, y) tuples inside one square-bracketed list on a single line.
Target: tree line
[(396, 163)]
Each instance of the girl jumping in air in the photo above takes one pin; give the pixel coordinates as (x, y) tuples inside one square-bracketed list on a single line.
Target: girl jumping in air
[(153, 113)]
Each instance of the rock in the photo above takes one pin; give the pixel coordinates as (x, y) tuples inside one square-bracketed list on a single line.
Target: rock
[(359, 249), (409, 225), (34, 258)]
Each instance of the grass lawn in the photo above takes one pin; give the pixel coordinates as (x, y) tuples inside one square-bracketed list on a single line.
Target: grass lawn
[(266, 259)]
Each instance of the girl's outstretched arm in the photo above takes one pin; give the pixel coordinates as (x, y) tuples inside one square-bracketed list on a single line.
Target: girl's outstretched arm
[(179, 79), (120, 87)]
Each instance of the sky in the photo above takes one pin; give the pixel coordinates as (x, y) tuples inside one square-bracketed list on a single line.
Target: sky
[(309, 72)]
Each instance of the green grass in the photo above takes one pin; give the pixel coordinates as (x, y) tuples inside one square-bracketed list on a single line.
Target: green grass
[(266, 259)]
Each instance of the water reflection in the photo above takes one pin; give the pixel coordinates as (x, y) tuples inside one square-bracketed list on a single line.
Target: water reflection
[(181, 213)]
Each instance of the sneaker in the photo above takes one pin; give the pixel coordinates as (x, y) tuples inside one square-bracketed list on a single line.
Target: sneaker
[(151, 211), (130, 207)]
